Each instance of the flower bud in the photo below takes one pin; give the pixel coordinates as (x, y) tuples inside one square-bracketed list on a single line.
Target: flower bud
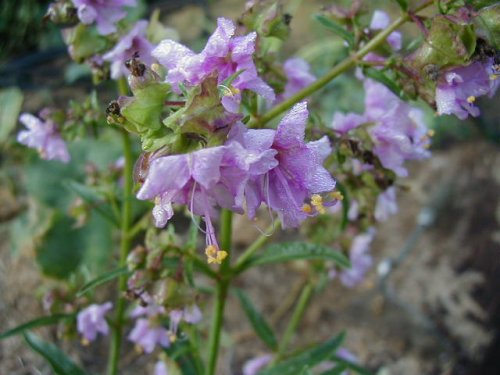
[(62, 13)]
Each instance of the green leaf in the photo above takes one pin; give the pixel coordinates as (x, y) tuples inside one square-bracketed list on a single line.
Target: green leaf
[(478, 4), (336, 28), (93, 198), (103, 279), (287, 251), (181, 352), (403, 4), (258, 322), (350, 365), (60, 362), (11, 100), (35, 323), (309, 358), (384, 79), (306, 371), (62, 248)]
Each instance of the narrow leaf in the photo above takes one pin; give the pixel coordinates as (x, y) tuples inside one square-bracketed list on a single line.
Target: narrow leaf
[(381, 77), (309, 358), (61, 364), (336, 28), (284, 252), (35, 323), (306, 371), (258, 322), (403, 4), (108, 276)]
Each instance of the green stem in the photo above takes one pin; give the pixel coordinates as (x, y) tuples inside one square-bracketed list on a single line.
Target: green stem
[(298, 312), (221, 292), (254, 247), (337, 70), (126, 220)]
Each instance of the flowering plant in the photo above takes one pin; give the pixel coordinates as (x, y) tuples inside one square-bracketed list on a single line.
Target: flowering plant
[(235, 130)]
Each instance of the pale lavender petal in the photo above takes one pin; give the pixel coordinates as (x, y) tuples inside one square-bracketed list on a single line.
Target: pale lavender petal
[(380, 20), (291, 128)]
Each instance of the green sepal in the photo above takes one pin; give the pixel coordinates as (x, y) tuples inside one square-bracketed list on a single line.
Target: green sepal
[(196, 120), (488, 22), (85, 42), (447, 44)]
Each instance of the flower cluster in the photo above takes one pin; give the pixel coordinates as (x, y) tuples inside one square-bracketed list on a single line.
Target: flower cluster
[(228, 56), (149, 330), (255, 166), (397, 130)]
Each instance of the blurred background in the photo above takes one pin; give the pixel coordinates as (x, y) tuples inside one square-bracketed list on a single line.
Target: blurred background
[(429, 306)]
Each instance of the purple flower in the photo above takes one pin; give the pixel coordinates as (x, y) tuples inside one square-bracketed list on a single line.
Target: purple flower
[(397, 130), (207, 178), (44, 137), (161, 368), (91, 321), (380, 21), (299, 174), (361, 260), (298, 76), (224, 54), (105, 13), (147, 333), (130, 44), (343, 123), (458, 91), (254, 365), (190, 314), (386, 205)]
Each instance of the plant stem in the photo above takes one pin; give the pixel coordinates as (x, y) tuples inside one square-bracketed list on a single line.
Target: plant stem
[(221, 292), (254, 247), (126, 219), (337, 70), (302, 303)]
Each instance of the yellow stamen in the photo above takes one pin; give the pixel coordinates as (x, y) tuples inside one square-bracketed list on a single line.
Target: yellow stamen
[(215, 255), (431, 133), (337, 195), (172, 337), (307, 208), (471, 99), (85, 342), (494, 76), (317, 202)]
